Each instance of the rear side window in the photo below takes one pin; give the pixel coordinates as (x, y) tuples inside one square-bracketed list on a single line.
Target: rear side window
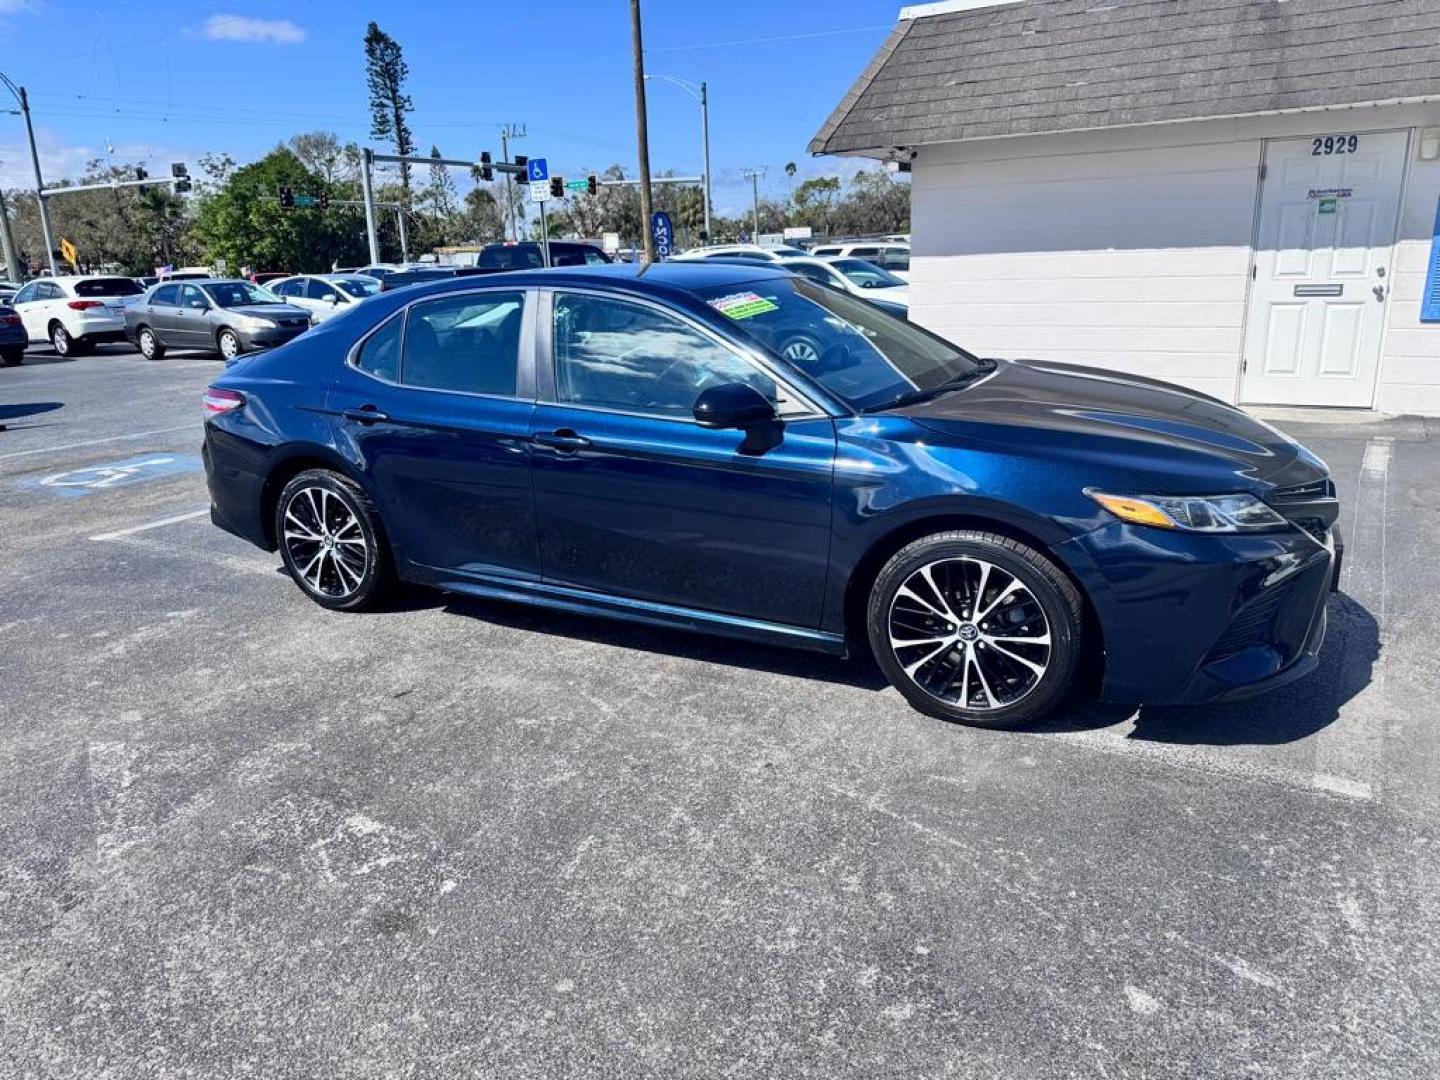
[(109, 286), (380, 355), (468, 343)]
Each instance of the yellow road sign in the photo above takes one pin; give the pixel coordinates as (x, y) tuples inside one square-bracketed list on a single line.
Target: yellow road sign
[(67, 249)]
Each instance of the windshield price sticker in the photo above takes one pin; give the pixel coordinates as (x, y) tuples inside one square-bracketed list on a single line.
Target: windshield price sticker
[(745, 305)]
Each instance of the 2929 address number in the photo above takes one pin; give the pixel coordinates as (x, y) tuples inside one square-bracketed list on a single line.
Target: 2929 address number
[(1334, 144)]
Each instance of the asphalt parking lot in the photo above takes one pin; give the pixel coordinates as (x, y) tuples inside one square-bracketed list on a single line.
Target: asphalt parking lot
[(241, 835)]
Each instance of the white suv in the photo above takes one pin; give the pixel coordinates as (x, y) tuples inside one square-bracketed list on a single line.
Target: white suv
[(74, 314)]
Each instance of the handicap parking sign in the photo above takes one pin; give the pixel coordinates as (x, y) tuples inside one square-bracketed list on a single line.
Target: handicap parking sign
[(114, 474), (539, 170)]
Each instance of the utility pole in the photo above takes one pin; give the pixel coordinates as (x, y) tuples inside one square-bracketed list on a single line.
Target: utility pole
[(642, 131), (508, 132), (12, 263), (367, 162), (24, 100), (404, 237), (753, 175)]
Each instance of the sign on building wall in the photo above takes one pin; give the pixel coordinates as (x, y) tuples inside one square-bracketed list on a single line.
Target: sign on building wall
[(1430, 299)]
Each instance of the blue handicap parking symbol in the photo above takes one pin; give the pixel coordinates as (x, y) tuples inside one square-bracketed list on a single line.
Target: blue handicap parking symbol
[(114, 474), (539, 170)]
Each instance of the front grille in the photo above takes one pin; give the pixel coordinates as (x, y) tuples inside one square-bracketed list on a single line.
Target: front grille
[(1323, 488), (1252, 626)]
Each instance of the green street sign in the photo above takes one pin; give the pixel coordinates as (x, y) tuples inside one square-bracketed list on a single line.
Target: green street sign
[(305, 200), (577, 185)]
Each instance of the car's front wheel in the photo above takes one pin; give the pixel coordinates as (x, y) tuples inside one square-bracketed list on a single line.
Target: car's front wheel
[(229, 343), (150, 345), (975, 627), (332, 541)]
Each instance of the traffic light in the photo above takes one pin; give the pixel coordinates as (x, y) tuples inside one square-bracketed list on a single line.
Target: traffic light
[(592, 184), (181, 175), (523, 176), (287, 196), (324, 200), (486, 172), (141, 174), (557, 187), (181, 185)]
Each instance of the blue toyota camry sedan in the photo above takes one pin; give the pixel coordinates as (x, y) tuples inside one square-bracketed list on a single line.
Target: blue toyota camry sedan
[(736, 450)]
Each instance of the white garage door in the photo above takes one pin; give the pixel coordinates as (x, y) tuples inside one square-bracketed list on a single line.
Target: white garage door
[(1328, 207)]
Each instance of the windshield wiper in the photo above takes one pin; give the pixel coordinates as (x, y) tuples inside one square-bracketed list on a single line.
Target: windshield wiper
[(983, 366)]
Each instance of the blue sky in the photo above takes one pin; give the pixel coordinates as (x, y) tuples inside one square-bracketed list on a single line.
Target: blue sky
[(168, 81)]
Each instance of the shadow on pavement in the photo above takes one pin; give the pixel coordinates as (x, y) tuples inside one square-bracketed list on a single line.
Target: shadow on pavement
[(858, 671), (28, 408)]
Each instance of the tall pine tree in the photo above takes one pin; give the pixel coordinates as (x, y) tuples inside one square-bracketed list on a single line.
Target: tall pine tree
[(385, 75)]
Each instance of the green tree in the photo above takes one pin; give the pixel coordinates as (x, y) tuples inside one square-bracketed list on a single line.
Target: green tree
[(875, 203), (814, 201), (241, 220), (385, 75)]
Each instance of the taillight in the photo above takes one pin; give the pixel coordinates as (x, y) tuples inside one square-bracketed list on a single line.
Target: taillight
[(221, 401), (81, 305), (10, 320)]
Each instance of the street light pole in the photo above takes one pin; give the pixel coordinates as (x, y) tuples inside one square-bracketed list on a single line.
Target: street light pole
[(24, 100), (753, 175), (508, 132), (702, 94)]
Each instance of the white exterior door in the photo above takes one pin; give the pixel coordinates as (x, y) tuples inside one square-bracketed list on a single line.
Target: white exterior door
[(1328, 208)]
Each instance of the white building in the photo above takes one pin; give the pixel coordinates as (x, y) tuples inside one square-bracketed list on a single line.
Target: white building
[(1236, 195)]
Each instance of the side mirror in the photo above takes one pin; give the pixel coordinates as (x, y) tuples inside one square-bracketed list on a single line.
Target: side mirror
[(733, 405), (333, 298)]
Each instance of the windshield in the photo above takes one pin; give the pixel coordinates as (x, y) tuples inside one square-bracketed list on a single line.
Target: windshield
[(866, 274), (358, 287), (866, 358), (230, 294), (109, 286)]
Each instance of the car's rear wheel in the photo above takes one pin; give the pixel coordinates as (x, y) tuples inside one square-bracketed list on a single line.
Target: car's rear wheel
[(63, 344), (13, 357), (332, 540), (976, 628), (150, 345), (229, 343)]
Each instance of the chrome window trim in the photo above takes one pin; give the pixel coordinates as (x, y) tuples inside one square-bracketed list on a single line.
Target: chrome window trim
[(746, 353)]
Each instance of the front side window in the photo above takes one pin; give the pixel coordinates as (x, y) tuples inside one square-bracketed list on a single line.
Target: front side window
[(191, 297), (315, 289), (614, 354), (817, 274), (468, 343), (358, 287), (380, 355), (48, 290), (866, 358)]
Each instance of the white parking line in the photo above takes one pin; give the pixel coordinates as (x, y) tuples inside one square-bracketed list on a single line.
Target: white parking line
[(96, 442), (152, 525)]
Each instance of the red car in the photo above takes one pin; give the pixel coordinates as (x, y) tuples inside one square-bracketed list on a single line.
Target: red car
[(267, 275)]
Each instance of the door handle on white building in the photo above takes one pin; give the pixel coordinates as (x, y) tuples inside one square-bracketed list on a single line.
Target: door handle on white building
[(1379, 291)]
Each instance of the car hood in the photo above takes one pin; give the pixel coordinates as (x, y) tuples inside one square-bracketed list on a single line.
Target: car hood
[(1120, 419), (271, 311)]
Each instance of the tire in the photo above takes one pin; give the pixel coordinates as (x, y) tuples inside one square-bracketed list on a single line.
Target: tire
[(13, 357), (65, 346), (1012, 664), (228, 342), (352, 572), (151, 347)]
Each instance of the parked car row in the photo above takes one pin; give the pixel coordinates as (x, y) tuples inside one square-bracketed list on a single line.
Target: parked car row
[(186, 310)]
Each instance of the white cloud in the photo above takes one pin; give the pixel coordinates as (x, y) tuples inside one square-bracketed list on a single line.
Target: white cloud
[(240, 28), (62, 161)]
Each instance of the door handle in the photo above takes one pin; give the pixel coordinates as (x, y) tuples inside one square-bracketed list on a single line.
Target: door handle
[(562, 439), (1379, 291), (368, 415)]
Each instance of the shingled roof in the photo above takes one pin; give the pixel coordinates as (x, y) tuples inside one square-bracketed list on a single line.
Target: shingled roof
[(1065, 65)]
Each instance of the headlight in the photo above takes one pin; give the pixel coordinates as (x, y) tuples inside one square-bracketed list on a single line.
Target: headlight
[(1193, 513), (252, 322)]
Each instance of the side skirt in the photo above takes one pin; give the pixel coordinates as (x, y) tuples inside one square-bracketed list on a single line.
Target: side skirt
[(588, 602)]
